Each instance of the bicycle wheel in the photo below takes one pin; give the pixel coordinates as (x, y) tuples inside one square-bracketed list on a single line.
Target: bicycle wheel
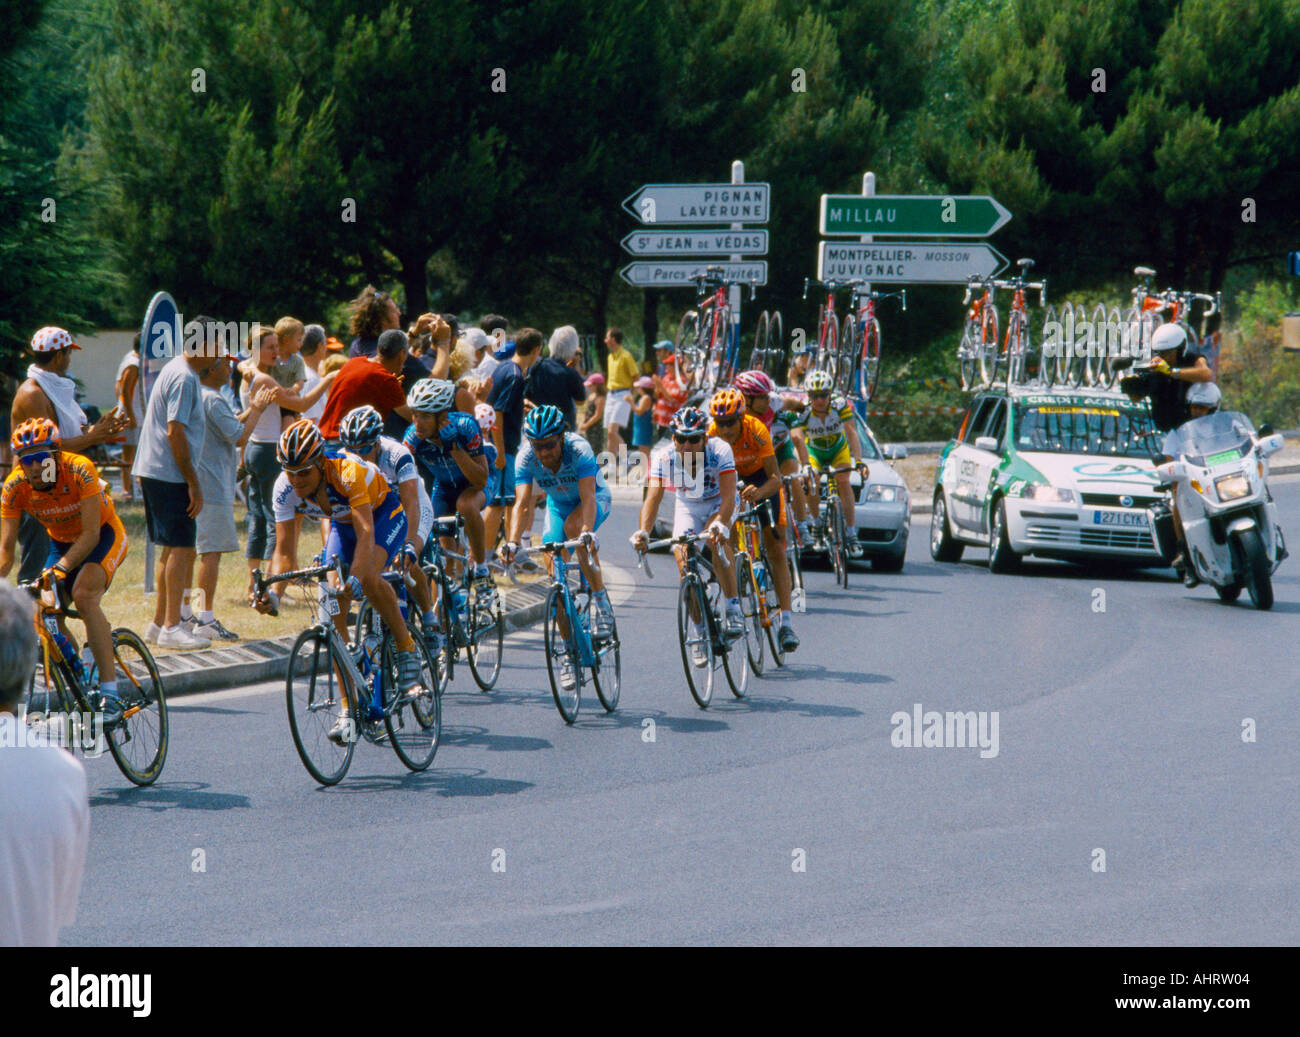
[(425, 712), (1114, 345), (758, 356), (988, 345), (685, 344), (558, 649), (316, 699), (774, 359), (752, 610), (139, 742), (1017, 348), (405, 714), (794, 547), (827, 354), (486, 629), (835, 541), (869, 367), (767, 586), (1065, 343), (607, 674), (968, 355), (695, 641), (1100, 368), (735, 654), (1049, 349), (846, 365), (1078, 335)]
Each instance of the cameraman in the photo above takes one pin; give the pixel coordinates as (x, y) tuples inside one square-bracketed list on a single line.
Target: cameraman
[(1171, 373)]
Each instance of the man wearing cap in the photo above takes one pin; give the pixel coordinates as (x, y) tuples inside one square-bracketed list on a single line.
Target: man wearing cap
[(48, 392), (1173, 370), (671, 390)]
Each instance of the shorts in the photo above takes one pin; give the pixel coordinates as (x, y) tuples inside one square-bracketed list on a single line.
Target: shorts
[(426, 519), (108, 553), (443, 497), (390, 532), (692, 516), (771, 510), (505, 488), (618, 408), (215, 531), (556, 513), (165, 504), (785, 452), (837, 457)]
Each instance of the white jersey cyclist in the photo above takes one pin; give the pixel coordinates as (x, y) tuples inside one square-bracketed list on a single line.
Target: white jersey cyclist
[(697, 495), (397, 465)]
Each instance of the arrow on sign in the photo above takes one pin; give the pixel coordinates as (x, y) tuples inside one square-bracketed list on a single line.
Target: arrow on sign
[(684, 242), (668, 274), (948, 216), (907, 262), (700, 203)]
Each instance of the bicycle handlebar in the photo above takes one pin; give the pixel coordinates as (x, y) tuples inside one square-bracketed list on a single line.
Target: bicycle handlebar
[(262, 582), (36, 589)]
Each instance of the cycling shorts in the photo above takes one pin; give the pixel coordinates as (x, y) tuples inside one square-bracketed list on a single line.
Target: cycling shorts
[(838, 457), (390, 532), (771, 510), (558, 512), (108, 553), (785, 452)]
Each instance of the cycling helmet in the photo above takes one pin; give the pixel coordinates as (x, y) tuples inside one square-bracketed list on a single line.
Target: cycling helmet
[(689, 421), (1204, 394), (726, 403), (300, 444), (543, 422), (35, 434), (360, 428), (486, 416), (432, 395), (1167, 336), (818, 381), (753, 383)]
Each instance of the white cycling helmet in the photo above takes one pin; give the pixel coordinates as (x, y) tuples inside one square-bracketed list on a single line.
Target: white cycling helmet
[(1168, 336), (432, 395), (818, 381), (1204, 394)]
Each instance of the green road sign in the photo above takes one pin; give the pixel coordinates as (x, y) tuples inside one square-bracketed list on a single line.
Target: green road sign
[(924, 215)]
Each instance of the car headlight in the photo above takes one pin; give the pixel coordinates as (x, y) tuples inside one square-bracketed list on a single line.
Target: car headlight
[(1230, 487), (1053, 494), (883, 494)]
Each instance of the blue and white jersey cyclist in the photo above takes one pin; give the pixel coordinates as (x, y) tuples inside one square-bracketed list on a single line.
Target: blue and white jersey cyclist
[(701, 470), (361, 437), (448, 448), (561, 465)]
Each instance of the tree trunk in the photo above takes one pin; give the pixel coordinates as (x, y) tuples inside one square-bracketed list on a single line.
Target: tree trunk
[(650, 320), (416, 286), (599, 311)]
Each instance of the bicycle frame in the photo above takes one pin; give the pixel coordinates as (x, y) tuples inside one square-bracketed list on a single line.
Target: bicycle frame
[(560, 566)]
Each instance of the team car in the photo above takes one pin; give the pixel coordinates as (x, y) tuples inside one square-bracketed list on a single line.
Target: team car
[(1066, 474)]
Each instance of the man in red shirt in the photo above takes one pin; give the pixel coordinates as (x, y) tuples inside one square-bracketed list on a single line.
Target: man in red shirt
[(670, 390), (367, 379)]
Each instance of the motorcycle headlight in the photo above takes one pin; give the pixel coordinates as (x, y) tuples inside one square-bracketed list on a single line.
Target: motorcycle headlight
[(1051, 494), (882, 494), (1230, 487)]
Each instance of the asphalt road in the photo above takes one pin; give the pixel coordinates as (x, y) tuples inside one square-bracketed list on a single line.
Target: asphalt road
[(1118, 731)]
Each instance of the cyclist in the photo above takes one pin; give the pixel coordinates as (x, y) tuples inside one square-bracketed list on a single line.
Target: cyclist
[(562, 466), (448, 448), (361, 434), (760, 485), (367, 531), (764, 402), (825, 435), (702, 472), (63, 491)]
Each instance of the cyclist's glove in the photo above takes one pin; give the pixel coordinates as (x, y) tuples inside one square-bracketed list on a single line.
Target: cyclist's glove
[(448, 434)]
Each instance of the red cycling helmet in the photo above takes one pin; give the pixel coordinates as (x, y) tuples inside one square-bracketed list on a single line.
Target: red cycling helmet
[(754, 383)]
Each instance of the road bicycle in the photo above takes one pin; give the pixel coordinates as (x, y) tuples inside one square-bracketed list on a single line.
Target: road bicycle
[(1015, 349), (827, 355), (139, 740), (1148, 311), (707, 349), (353, 688), (860, 341), (566, 632), (979, 333), (837, 532), (700, 605), (769, 344), (757, 589)]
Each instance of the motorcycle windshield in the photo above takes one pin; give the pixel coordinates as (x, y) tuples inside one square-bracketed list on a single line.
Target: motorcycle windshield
[(1202, 440)]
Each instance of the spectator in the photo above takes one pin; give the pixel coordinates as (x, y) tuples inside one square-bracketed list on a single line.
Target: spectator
[(215, 532), (480, 344), (130, 401), (507, 399), (671, 389), (372, 380), (413, 368), (45, 808), (800, 364), (552, 381), (313, 353), (496, 327), (333, 362), (48, 392), (434, 357), (593, 417), (373, 313), (643, 399), (620, 373)]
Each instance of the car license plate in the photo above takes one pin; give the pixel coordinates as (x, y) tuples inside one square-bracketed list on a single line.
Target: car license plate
[(1120, 518)]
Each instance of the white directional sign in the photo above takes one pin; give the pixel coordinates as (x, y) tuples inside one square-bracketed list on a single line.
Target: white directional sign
[(686, 242), (700, 203), (907, 262), (669, 274)]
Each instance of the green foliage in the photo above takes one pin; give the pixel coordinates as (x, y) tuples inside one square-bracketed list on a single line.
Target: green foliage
[(1256, 375)]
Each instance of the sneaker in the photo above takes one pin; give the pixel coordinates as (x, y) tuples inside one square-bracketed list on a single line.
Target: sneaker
[(152, 633), (408, 671), (214, 631), (111, 707), (699, 656), (527, 565), (1190, 579), (805, 532), (181, 638), (734, 624), (342, 730), (854, 546), (567, 679), (602, 620), (787, 639), (433, 640), (188, 625)]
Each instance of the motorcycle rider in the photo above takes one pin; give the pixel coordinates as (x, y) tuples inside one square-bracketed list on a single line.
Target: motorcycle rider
[(1202, 398)]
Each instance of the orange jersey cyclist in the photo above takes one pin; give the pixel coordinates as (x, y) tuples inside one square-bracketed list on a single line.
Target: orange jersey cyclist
[(367, 531), (760, 485), (63, 491)]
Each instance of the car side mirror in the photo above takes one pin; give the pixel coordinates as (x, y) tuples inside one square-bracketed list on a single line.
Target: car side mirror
[(1266, 429), (894, 451), (986, 443)]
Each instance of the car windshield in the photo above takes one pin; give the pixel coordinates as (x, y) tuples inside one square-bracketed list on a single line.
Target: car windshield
[(868, 441), (1213, 434), (1103, 427)]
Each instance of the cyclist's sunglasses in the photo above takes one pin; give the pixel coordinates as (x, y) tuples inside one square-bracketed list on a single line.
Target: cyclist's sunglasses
[(689, 440), (299, 471), (39, 457), (819, 396), (727, 422), (550, 443)]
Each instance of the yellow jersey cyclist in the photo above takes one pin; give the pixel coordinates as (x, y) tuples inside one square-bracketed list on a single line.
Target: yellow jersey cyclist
[(367, 531), (759, 480), (701, 471), (64, 492), (826, 437)]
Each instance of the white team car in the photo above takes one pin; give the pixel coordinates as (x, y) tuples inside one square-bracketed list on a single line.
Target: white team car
[(1063, 474)]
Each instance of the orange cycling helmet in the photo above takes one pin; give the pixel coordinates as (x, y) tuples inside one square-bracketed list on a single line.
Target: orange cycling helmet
[(727, 403), (33, 434), (300, 444)]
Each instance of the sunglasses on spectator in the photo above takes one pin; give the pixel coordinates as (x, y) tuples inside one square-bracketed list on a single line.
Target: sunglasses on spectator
[(40, 457), (547, 444), (689, 440)]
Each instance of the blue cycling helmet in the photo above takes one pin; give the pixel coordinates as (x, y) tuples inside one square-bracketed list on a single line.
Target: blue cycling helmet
[(360, 428), (690, 421), (543, 422)]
